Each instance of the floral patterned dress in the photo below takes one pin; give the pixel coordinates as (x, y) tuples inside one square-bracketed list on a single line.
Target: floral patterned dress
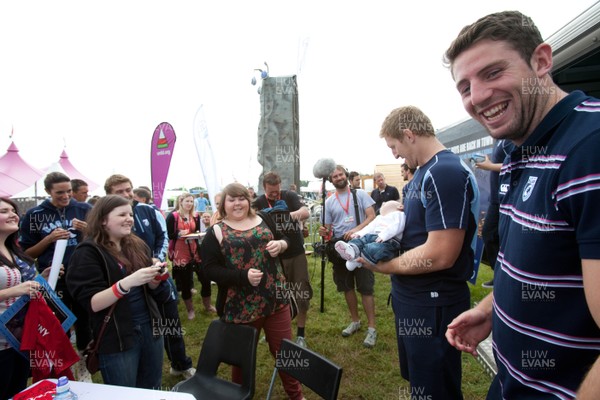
[(244, 250)]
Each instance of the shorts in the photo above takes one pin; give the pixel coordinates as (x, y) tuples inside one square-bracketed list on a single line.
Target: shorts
[(345, 280), (295, 270)]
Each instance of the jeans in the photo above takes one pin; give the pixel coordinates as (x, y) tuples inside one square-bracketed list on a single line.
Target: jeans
[(173, 333), (374, 252), (139, 366)]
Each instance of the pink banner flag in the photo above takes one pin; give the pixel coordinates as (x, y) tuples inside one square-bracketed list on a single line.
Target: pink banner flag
[(163, 144)]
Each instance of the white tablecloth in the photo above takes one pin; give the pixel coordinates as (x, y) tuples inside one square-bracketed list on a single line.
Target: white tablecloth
[(96, 391)]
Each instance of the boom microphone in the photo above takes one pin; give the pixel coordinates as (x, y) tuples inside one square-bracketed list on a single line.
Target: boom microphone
[(323, 168)]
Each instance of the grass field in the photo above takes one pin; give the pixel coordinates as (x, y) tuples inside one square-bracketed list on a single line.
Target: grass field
[(368, 373)]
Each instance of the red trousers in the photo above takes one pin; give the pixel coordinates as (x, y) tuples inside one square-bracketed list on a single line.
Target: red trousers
[(277, 326)]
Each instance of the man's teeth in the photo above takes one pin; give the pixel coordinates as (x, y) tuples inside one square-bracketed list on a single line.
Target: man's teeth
[(495, 111)]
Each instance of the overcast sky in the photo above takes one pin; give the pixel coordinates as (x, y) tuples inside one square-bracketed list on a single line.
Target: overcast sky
[(96, 78)]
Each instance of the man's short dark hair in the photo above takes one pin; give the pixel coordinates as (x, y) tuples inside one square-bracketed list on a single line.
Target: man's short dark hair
[(405, 167), (271, 178), (352, 175), (77, 183), (513, 27), (55, 177), (143, 193)]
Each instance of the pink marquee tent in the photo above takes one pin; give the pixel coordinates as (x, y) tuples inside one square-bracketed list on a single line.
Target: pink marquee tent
[(72, 172), (16, 174)]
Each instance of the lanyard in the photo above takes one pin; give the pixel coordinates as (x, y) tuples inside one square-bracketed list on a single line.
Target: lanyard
[(269, 203), (347, 201)]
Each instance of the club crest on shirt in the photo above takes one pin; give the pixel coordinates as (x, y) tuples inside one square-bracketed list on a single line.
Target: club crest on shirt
[(529, 187)]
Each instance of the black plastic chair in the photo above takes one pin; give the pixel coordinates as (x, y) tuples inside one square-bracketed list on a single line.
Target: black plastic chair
[(231, 344), (309, 368)]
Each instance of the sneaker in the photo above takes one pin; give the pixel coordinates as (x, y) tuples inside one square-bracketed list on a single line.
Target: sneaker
[(345, 250), (80, 371), (186, 373), (489, 284), (351, 265), (371, 338), (352, 328), (300, 341)]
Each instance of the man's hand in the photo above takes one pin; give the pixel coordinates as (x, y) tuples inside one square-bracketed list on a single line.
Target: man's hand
[(469, 329), (79, 225), (58, 234)]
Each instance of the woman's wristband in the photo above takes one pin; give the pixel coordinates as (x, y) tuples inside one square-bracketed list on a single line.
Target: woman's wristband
[(121, 290), (116, 292)]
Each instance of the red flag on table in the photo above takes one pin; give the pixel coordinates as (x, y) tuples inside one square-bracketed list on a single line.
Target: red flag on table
[(163, 143), (51, 353)]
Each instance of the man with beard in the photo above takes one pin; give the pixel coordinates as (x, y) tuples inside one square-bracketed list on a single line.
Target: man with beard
[(346, 212)]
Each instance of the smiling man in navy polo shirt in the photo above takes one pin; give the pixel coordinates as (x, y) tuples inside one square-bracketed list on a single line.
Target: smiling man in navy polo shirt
[(545, 308)]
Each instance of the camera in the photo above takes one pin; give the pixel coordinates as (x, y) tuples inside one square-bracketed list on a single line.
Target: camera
[(319, 248)]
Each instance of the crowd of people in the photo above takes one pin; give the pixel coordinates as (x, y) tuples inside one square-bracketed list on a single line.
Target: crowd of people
[(542, 238)]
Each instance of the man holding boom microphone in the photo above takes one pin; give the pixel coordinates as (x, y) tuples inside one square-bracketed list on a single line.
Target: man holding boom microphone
[(346, 212)]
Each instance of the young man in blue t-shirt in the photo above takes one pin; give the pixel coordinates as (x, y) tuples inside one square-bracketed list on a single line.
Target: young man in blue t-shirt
[(545, 308), (429, 278)]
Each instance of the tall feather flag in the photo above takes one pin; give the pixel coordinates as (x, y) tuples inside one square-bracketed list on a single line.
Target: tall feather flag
[(161, 151), (205, 155)]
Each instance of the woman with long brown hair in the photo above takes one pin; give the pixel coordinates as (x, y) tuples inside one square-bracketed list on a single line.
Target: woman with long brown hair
[(113, 266), (17, 271)]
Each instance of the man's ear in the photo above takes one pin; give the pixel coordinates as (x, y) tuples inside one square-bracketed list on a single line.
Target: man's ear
[(541, 60), (409, 136)]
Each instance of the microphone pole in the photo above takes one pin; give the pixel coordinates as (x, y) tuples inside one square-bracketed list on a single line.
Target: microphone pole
[(323, 259), (323, 169)]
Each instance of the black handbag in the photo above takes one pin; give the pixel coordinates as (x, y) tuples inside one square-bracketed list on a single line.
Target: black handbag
[(90, 354)]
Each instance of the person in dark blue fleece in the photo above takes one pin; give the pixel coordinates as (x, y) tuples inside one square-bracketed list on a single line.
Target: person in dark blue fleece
[(59, 217)]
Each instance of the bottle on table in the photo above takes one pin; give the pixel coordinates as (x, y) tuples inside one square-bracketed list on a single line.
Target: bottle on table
[(63, 390)]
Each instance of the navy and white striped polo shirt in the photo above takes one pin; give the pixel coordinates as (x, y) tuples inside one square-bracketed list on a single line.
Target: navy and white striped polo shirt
[(545, 338)]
